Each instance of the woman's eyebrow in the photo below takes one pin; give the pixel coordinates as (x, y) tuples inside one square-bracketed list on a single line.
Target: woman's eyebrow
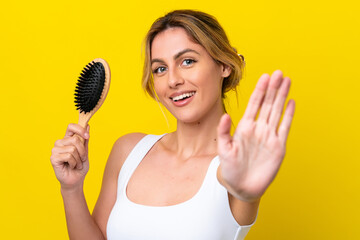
[(185, 51), (156, 60), (176, 55)]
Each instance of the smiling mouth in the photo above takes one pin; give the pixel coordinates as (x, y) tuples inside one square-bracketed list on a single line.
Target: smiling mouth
[(183, 96)]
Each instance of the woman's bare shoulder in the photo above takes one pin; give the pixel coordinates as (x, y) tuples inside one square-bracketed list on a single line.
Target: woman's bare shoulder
[(123, 146), (129, 140), (120, 151)]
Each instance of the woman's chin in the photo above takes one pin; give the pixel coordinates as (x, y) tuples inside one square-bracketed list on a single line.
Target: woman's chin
[(188, 119)]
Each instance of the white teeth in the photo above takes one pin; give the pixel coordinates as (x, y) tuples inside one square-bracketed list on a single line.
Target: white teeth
[(182, 96)]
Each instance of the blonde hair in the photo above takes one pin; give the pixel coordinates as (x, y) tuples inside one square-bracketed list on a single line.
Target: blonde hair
[(205, 30)]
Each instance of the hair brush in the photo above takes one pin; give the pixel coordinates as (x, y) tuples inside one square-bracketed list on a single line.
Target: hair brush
[(91, 89)]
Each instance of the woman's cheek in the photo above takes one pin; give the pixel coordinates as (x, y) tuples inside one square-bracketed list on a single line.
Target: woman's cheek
[(160, 94)]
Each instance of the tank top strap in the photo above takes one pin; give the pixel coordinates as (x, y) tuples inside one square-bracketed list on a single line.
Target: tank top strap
[(213, 167), (135, 157), (210, 180)]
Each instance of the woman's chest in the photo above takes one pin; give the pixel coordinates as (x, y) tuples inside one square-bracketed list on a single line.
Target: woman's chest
[(157, 182)]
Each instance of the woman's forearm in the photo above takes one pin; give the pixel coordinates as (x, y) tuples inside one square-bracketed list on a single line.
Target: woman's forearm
[(80, 223)]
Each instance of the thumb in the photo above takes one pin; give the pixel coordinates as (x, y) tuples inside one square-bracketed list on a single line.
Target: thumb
[(223, 132), (86, 144), (87, 134)]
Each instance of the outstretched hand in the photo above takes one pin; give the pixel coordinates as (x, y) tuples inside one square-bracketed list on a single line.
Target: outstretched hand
[(251, 158)]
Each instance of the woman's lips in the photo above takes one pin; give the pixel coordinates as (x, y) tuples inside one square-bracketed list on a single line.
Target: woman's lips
[(183, 99)]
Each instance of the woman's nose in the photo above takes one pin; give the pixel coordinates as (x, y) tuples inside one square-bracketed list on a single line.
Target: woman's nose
[(175, 79)]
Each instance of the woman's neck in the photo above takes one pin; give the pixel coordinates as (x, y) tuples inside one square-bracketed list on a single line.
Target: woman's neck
[(197, 138)]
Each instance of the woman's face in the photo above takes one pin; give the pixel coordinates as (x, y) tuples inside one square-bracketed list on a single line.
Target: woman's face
[(186, 79)]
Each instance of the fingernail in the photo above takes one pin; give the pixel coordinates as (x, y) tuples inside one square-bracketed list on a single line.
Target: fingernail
[(86, 135), (79, 166)]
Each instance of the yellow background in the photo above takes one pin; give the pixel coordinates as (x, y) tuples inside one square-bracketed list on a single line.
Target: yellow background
[(45, 45)]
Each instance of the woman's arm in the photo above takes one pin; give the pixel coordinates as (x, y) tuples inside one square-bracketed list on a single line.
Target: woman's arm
[(70, 162), (251, 158), (244, 212), (80, 224)]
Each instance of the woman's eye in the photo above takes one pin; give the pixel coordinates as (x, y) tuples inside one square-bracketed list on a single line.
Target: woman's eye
[(159, 70), (188, 62)]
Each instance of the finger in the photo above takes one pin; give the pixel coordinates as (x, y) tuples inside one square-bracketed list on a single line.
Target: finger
[(73, 151), (275, 83), (74, 141), (257, 97), (284, 127), (223, 132), (279, 103), (73, 129), (63, 159), (86, 150), (55, 160), (86, 144)]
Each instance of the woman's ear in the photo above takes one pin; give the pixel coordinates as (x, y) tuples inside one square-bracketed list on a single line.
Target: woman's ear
[(226, 70)]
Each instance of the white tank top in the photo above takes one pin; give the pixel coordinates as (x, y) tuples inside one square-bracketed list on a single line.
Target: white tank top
[(206, 216)]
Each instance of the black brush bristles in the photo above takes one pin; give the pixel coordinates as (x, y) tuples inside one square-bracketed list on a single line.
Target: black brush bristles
[(89, 87)]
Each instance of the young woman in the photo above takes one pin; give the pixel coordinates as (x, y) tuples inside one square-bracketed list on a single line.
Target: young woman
[(198, 182)]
